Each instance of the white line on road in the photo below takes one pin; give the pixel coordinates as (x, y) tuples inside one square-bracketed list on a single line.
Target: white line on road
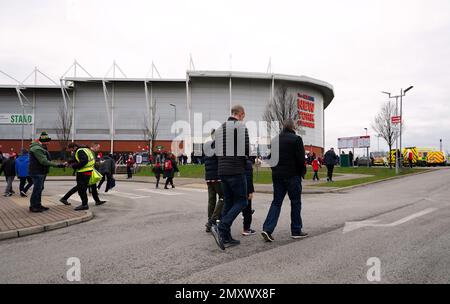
[(126, 194), (350, 226), (192, 189), (167, 192)]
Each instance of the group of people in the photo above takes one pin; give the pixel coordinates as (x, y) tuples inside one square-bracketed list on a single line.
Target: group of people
[(229, 177), (167, 168), (33, 166)]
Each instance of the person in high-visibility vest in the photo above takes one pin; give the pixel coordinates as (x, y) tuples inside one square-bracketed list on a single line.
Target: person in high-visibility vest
[(83, 162), (410, 158)]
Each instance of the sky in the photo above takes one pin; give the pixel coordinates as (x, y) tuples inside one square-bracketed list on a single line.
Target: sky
[(360, 47)]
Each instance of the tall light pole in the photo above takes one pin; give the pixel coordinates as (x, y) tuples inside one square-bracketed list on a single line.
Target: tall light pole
[(396, 137), (368, 158), (402, 93), (175, 108)]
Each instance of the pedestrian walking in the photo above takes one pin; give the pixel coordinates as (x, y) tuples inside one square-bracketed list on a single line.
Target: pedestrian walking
[(316, 165), (130, 164), (83, 161), (22, 164), (170, 167), (215, 192), (107, 169), (330, 159), (232, 150), (410, 159), (247, 212), (9, 169), (287, 179), (157, 170), (38, 169)]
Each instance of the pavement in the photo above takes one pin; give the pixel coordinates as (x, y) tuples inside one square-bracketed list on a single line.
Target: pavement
[(148, 235), (17, 221)]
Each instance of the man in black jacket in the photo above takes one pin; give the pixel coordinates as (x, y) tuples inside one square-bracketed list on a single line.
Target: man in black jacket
[(232, 150), (214, 185), (330, 160), (287, 178)]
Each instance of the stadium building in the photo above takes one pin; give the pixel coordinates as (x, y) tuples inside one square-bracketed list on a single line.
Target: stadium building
[(120, 113)]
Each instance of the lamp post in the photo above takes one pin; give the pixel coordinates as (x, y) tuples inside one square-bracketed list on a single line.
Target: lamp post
[(402, 93), (368, 158)]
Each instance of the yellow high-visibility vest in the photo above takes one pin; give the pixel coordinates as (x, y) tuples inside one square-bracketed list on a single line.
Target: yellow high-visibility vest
[(91, 160)]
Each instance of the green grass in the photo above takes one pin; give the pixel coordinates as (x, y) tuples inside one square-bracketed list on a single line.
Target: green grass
[(60, 172), (379, 173), (264, 175)]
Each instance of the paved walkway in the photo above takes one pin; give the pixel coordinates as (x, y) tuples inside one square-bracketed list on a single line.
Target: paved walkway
[(16, 220), (308, 185)]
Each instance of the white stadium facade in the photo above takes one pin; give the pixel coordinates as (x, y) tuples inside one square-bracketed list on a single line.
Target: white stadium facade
[(115, 111)]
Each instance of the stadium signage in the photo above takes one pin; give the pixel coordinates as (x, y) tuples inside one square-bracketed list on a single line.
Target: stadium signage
[(16, 119), (305, 107)]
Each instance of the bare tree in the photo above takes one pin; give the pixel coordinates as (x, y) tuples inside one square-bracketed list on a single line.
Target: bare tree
[(150, 129), (63, 128), (384, 126), (282, 107)]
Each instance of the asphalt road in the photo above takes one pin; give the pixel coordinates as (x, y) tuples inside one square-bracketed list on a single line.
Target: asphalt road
[(143, 235)]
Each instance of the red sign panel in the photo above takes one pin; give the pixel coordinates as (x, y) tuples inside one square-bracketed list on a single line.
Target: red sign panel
[(305, 107), (396, 119)]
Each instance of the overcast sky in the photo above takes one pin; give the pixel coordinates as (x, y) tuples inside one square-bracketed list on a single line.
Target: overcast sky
[(360, 47)]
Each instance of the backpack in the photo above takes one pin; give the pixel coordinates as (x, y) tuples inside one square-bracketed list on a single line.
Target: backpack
[(168, 165)]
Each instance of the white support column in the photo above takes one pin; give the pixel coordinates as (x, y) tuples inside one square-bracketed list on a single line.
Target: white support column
[(231, 95), (73, 112), (188, 140), (33, 127), (112, 118)]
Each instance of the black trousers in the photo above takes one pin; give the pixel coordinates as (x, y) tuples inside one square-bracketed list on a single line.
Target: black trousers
[(330, 169), (158, 177), (316, 175), (23, 181), (108, 177), (129, 172), (169, 180), (247, 213), (81, 188)]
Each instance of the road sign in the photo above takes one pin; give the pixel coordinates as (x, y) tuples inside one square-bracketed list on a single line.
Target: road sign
[(396, 119), (354, 142)]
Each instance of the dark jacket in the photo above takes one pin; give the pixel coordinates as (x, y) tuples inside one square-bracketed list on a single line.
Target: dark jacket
[(9, 167), (211, 164), (249, 176), (39, 160), (233, 163), (157, 170), (330, 158), (291, 155), (107, 166), (22, 164)]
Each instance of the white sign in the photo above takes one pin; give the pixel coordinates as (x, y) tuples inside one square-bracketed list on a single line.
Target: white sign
[(354, 142), (138, 159), (16, 119)]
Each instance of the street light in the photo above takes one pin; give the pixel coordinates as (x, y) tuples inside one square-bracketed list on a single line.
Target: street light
[(402, 93), (368, 158)]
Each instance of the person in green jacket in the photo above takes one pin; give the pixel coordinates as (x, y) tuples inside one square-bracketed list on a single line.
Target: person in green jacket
[(38, 170)]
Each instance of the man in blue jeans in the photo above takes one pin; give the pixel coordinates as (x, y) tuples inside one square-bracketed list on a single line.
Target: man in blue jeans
[(38, 170), (232, 150), (287, 178)]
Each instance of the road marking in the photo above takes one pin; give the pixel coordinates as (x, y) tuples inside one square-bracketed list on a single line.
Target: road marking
[(350, 226), (77, 198), (166, 192), (192, 189), (126, 194)]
